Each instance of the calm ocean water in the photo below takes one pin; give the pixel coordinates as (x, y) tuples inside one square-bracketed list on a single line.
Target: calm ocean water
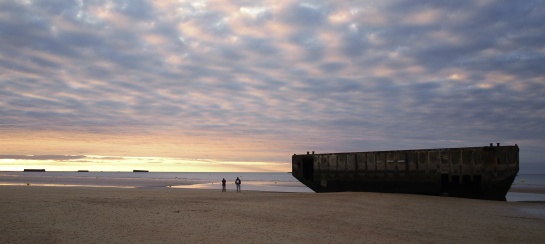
[(529, 181), (537, 180), (197, 176), (283, 182)]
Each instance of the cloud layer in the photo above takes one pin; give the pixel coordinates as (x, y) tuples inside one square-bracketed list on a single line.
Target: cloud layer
[(272, 78)]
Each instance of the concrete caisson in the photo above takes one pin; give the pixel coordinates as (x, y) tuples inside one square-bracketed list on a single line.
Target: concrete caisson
[(473, 172)]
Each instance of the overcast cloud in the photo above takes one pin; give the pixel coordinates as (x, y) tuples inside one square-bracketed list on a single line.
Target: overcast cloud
[(284, 76)]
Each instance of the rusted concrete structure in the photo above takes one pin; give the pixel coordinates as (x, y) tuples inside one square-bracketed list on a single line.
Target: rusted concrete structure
[(472, 172)]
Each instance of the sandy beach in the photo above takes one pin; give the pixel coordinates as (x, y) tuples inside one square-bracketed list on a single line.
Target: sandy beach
[(37, 214)]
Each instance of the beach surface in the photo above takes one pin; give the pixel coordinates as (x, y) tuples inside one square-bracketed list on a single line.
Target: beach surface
[(39, 214)]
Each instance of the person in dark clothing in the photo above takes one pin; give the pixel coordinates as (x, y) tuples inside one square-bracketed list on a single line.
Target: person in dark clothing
[(223, 185), (237, 182)]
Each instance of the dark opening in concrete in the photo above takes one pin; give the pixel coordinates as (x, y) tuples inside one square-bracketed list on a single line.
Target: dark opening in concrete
[(308, 168), (444, 183)]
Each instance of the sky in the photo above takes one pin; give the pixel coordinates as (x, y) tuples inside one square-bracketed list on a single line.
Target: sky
[(243, 85)]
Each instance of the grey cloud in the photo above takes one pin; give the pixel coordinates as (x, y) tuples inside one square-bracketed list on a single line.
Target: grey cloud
[(483, 29), (33, 30), (231, 54), (354, 44), (475, 111), (10, 65), (43, 157), (24, 24), (332, 67), (305, 14), (136, 9), (97, 72), (80, 40), (314, 48), (262, 46)]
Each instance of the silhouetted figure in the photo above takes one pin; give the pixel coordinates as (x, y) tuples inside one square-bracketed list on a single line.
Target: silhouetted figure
[(238, 182), (223, 185)]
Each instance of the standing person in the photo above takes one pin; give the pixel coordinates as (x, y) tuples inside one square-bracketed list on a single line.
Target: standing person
[(237, 182), (223, 186)]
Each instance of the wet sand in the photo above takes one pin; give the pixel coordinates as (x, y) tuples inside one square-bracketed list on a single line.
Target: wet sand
[(37, 214)]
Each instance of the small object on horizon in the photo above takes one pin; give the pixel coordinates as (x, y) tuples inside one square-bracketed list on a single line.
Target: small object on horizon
[(34, 170), (140, 171), (83, 170)]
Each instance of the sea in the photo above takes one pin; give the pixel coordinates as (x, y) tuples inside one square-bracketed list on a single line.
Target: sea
[(534, 184), (263, 181)]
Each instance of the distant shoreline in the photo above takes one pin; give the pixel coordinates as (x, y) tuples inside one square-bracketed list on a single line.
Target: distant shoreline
[(528, 189), (266, 181)]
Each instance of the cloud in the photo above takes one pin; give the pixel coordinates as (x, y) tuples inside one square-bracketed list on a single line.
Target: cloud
[(279, 76), (43, 157), (305, 14)]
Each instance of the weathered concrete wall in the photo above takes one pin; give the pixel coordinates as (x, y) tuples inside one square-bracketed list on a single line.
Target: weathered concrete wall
[(430, 169)]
